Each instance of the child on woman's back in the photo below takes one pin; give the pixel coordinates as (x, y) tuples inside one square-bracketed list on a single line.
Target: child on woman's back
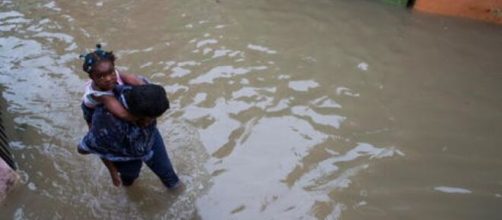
[(100, 65)]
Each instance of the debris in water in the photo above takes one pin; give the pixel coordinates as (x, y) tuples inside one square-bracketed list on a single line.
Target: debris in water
[(363, 66)]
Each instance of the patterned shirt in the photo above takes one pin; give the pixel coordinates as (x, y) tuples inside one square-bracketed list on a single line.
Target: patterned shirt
[(117, 140)]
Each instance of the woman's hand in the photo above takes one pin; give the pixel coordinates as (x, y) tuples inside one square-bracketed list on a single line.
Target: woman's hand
[(144, 121)]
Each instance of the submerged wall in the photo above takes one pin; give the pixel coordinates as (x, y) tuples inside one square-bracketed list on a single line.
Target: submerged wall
[(486, 10)]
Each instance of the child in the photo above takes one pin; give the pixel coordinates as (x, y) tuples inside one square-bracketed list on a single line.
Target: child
[(100, 65)]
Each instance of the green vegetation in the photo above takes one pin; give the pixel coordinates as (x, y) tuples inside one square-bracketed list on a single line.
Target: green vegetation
[(407, 3)]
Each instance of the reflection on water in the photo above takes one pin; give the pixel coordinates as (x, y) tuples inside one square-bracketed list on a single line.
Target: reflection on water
[(280, 110)]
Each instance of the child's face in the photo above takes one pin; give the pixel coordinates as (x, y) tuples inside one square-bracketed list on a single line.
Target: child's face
[(104, 76)]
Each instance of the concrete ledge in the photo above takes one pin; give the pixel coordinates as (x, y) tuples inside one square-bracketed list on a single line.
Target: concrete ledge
[(485, 10), (8, 179)]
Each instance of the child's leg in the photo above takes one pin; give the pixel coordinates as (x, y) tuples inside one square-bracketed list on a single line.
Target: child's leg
[(113, 171), (81, 149)]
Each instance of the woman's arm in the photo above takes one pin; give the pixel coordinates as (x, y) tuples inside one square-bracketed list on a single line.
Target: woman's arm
[(113, 105)]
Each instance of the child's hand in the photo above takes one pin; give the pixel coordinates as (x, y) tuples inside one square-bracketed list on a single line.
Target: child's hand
[(131, 79)]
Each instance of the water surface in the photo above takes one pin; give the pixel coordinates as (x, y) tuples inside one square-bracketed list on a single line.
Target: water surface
[(280, 109)]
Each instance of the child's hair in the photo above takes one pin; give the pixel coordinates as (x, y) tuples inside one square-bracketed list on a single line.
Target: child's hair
[(147, 100), (91, 60)]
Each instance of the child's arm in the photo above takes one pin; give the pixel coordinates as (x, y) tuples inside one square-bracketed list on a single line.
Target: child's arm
[(113, 171), (113, 105), (130, 79)]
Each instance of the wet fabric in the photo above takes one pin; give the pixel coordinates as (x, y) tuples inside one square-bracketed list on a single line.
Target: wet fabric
[(159, 163), (87, 113), (117, 140)]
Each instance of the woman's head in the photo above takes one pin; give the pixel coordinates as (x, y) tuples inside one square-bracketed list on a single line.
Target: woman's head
[(100, 65), (147, 101)]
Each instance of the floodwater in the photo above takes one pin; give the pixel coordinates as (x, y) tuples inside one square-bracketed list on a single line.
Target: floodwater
[(320, 109)]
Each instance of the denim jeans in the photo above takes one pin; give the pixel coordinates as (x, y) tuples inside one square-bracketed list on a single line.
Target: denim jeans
[(159, 163)]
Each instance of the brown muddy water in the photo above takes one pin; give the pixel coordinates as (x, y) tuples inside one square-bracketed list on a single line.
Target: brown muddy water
[(280, 109)]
